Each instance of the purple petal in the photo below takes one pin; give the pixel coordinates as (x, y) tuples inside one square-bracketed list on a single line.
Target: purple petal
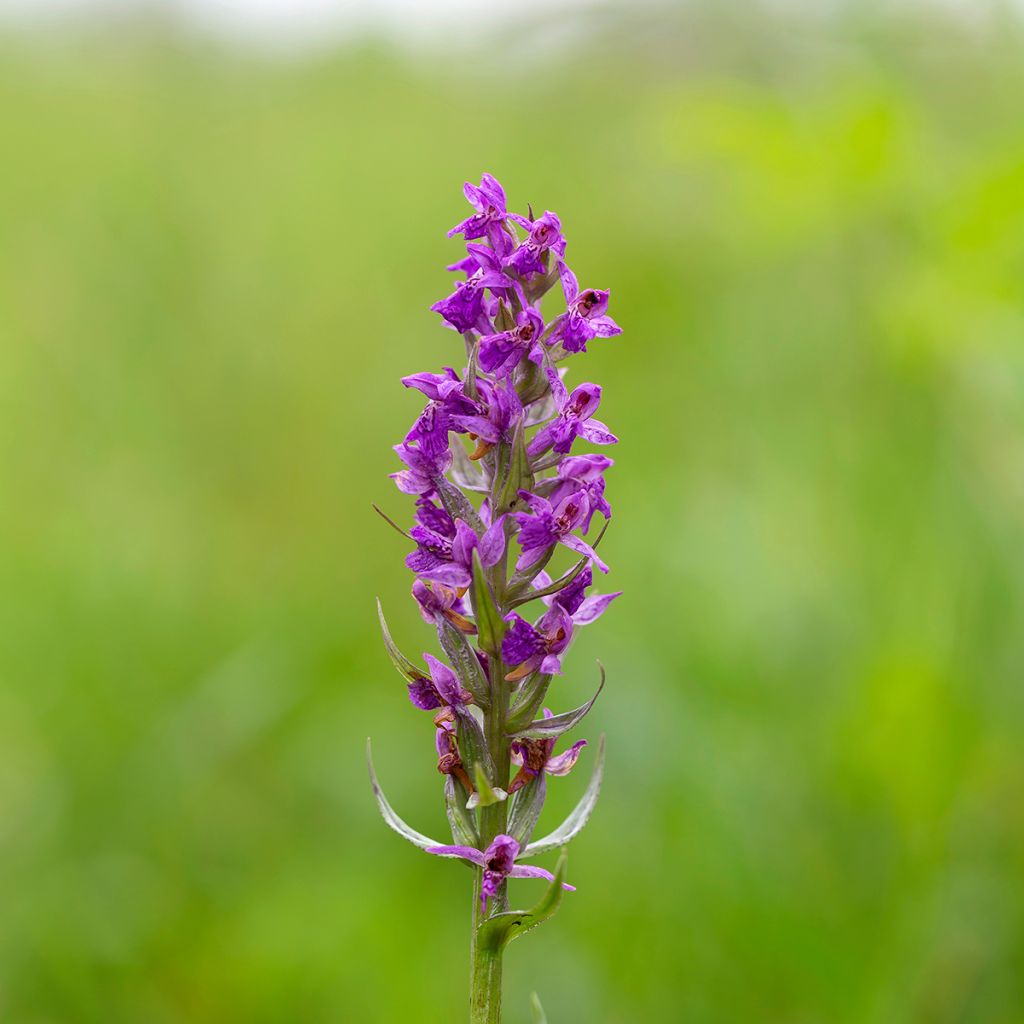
[(465, 852), (562, 764), (570, 286), (597, 433), (593, 608), (581, 547), (605, 327), (522, 642), (446, 681), (492, 543), (529, 871), (424, 695)]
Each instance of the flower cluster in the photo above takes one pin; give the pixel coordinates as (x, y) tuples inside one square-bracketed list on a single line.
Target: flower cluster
[(501, 482)]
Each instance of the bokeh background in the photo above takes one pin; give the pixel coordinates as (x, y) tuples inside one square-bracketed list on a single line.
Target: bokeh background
[(217, 257)]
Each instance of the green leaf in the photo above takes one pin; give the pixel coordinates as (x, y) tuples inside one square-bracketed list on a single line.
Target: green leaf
[(462, 823), (529, 700), (500, 929), (392, 819), (573, 825), (490, 626), (485, 794), (524, 809), (539, 1017), (548, 728), (398, 659), (465, 662), (520, 476)]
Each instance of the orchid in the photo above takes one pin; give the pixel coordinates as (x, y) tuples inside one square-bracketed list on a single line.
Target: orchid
[(499, 489)]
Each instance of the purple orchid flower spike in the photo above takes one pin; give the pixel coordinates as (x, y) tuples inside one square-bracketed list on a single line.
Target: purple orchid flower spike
[(536, 757), (544, 235), (488, 199), (501, 353), (574, 419), (498, 862), (549, 525), (444, 546), (585, 318), (521, 482), (441, 689)]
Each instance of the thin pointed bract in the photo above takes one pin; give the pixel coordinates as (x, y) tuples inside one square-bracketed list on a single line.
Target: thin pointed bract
[(503, 483)]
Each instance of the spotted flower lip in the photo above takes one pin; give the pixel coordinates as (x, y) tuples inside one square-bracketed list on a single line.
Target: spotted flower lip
[(547, 525), (543, 235), (501, 353), (583, 472), (574, 419), (498, 862), (585, 317)]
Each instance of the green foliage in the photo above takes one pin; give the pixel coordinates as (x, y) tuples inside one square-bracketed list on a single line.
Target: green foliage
[(214, 268)]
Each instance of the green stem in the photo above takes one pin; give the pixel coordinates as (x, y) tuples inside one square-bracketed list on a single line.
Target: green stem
[(485, 972), (486, 961)]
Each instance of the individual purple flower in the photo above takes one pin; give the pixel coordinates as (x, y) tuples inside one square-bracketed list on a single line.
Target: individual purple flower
[(586, 473), (441, 689), (422, 469), (501, 353), (545, 234), (447, 401), (549, 525), (465, 309), (536, 757), (488, 199), (436, 601), (498, 862), (574, 419), (585, 317), (492, 418), (444, 546), (539, 647)]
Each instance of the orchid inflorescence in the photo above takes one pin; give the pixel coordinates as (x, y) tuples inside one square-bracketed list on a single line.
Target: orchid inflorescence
[(489, 516)]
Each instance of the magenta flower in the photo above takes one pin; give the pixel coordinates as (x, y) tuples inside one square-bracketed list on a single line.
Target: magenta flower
[(536, 757), (583, 473), (488, 199), (574, 419), (444, 546), (442, 689), (501, 353), (436, 601), (540, 647), (423, 468), (466, 308), (498, 862), (549, 525), (544, 234), (585, 317)]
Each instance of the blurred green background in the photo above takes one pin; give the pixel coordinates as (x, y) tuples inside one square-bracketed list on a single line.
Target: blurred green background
[(215, 264)]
